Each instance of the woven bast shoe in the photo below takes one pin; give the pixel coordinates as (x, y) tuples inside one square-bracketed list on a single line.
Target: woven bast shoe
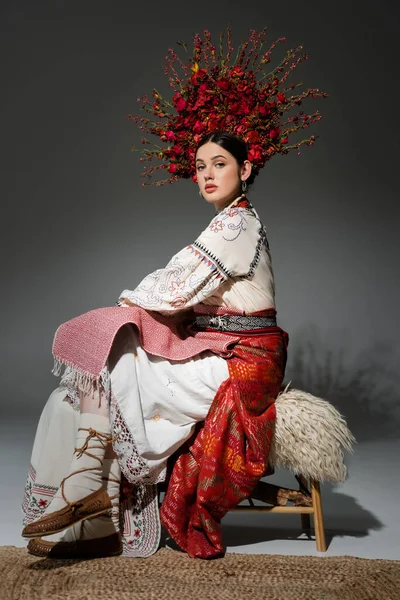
[(110, 545), (92, 505)]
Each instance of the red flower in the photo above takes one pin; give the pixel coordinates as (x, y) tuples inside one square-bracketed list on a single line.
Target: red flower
[(181, 104), (236, 72), (264, 94), (243, 86), (198, 76), (190, 153), (170, 136), (42, 503), (219, 96), (234, 108), (203, 96), (136, 533), (264, 110), (273, 133), (213, 124), (252, 137), (223, 84), (239, 129), (198, 127), (244, 107), (176, 149), (255, 154)]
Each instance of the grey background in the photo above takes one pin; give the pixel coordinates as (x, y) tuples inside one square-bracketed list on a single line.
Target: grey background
[(77, 228)]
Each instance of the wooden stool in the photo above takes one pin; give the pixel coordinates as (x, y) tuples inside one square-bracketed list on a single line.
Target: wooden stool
[(303, 511), (310, 439)]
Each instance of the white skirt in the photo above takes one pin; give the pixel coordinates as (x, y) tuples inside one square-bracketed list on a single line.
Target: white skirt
[(156, 403), (52, 452)]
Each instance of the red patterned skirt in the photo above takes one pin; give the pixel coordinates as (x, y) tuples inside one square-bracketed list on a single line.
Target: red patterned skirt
[(230, 452)]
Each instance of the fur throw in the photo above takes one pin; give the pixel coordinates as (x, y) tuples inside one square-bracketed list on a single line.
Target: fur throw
[(310, 437)]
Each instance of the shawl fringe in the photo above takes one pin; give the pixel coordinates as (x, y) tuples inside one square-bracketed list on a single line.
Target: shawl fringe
[(84, 381)]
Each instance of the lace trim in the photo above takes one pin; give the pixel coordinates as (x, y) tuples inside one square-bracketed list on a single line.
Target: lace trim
[(135, 469)]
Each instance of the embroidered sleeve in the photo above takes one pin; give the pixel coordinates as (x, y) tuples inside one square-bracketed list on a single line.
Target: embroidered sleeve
[(234, 240), (188, 278), (229, 247)]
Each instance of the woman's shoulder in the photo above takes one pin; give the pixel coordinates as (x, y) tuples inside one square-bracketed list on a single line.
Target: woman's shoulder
[(231, 223)]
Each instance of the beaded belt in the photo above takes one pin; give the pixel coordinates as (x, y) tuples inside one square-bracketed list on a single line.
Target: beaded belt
[(234, 322)]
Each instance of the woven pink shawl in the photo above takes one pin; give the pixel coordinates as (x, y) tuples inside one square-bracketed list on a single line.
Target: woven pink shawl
[(84, 343)]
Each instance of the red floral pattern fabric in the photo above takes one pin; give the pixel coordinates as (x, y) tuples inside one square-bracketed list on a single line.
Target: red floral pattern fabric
[(230, 452)]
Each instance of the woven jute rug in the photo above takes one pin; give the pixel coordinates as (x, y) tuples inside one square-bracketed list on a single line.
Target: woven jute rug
[(169, 574)]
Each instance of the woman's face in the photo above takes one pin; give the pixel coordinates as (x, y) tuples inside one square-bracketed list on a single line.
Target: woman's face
[(218, 174)]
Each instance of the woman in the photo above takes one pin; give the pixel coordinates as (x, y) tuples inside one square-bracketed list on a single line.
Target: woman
[(212, 342)]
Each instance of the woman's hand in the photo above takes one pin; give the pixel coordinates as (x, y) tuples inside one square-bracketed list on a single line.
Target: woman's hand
[(126, 302)]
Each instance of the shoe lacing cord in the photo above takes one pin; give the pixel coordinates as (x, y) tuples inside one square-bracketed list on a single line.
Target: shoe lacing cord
[(104, 440)]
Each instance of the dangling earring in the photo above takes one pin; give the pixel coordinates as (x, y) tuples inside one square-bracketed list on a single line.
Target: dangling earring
[(200, 194), (244, 186)]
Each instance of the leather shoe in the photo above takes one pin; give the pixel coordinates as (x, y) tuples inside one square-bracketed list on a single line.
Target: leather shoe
[(92, 505), (110, 545)]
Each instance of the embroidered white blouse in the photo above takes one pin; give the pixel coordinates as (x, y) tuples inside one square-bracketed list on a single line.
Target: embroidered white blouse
[(229, 264)]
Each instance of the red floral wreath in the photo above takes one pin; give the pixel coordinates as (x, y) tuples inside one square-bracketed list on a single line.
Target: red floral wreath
[(216, 93)]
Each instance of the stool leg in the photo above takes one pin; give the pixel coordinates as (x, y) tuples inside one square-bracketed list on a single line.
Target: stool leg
[(305, 518), (318, 517)]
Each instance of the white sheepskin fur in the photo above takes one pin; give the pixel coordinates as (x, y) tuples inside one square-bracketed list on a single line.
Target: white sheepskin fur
[(310, 437)]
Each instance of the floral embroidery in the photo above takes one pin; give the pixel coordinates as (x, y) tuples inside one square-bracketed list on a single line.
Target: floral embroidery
[(179, 302), (163, 288), (197, 270), (236, 221), (216, 226), (232, 212), (142, 528), (237, 225), (33, 504), (176, 287)]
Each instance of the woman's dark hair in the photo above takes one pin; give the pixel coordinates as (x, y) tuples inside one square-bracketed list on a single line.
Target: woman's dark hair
[(233, 144)]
